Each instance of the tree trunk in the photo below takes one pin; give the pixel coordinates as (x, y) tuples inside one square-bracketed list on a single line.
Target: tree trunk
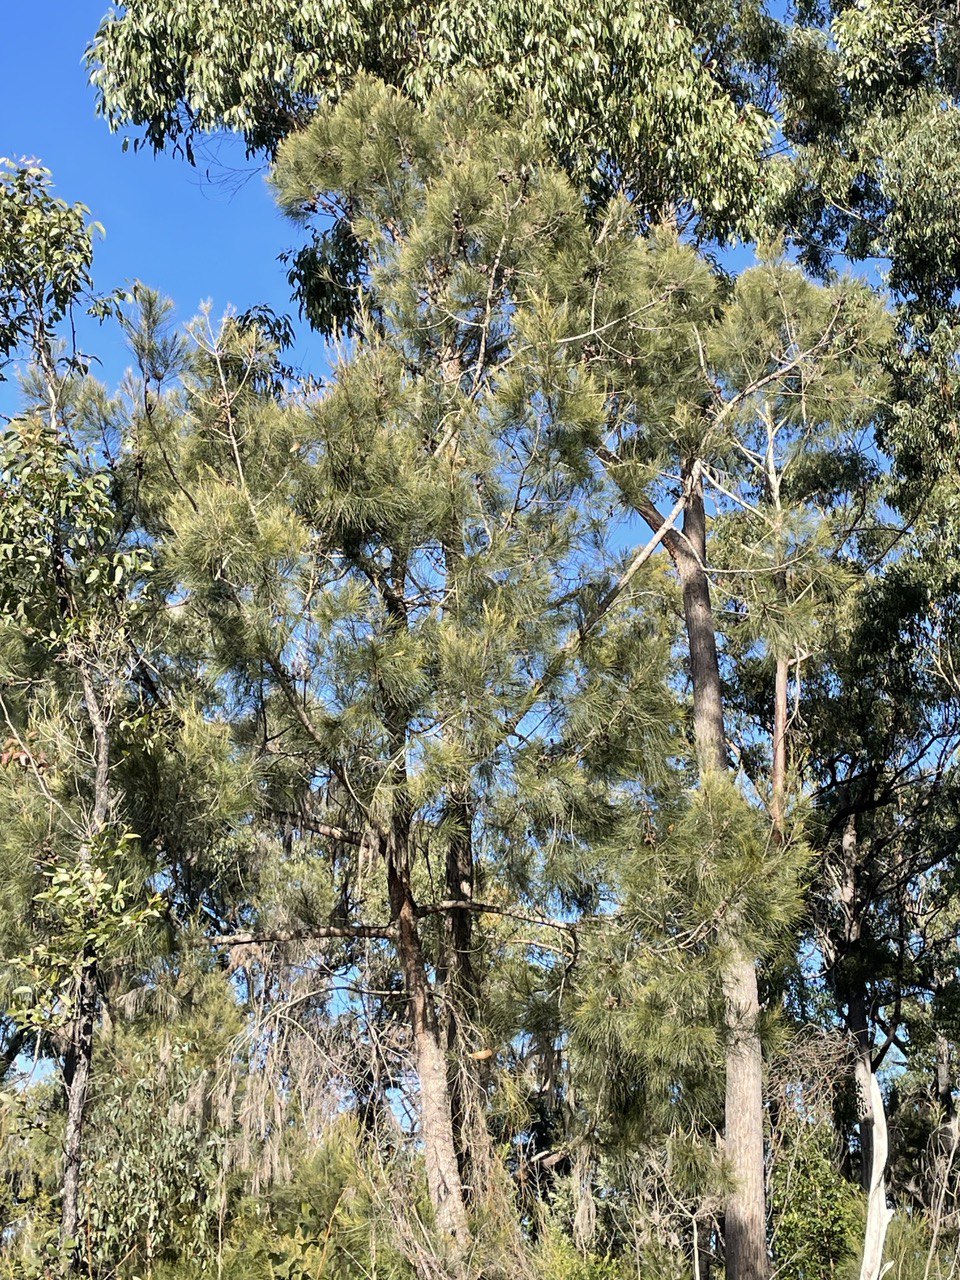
[(690, 553), (943, 1075), (873, 1139), (11, 1051), (745, 1241), (78, 1062), (942, 1148), (436, 1113), (862, 1075), (460, 994), (870, 1109), (457, 976), (702, 1247), (77, 1069), (779, 773), (745, 1228)]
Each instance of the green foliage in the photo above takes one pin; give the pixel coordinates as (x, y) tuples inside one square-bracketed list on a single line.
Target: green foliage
[(156, 1184), (818, 1217), (557, 1256), (85, 910), (63, 562), (46, 251), (292, 671), (627, 98)]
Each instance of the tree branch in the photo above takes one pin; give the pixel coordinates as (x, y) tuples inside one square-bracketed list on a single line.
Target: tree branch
[(317, 828), (318, 933)]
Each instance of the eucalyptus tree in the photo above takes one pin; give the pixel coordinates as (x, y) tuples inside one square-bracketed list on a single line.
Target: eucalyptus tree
[(69, 576), (869, 109), (653, 98)]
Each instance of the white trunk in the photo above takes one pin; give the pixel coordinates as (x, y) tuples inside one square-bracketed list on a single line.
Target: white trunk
[(873, 1118)]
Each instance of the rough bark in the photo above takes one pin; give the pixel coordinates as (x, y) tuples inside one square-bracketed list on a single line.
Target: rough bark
[(745, 1241), (436, 1116), (745, 1245), (460, 991), (436, 1111), (456, 974), (690, 553), (78, 1061)]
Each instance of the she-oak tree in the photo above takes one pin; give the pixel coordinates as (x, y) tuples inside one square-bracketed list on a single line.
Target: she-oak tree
[(328, 625)]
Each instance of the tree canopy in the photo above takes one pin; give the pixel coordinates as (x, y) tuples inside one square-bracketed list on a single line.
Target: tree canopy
[(486, 805)]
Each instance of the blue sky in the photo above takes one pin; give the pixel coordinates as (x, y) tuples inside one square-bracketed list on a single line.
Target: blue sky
[(192, 237)]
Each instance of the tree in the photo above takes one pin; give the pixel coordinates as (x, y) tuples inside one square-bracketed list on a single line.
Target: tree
[(352, 559), (629, 97), (67, 595), (558, 889), (752, 384)]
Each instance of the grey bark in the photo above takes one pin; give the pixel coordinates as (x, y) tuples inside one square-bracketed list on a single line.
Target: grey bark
[(436, 1114), (745, 1243), (437, 1134), (78, 1061), (871, 1114)]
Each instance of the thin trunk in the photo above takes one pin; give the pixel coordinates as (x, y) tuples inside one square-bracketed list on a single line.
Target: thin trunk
[(778, 777), (78, 1062), (779, 773), (745, 1236), (436, 1112), (944, 1076), (77, 1070), (691, 551), (702, 1247), (872, 1118), (457, 976), (943, 1148), (460, 992), (11, 1051), (745, 1242), (863, 1073)]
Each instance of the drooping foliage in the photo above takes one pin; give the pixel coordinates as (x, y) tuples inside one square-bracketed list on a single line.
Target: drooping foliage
[(488, 807)]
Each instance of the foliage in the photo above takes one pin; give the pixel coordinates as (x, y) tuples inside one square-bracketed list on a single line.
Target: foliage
[(46, 252), (817, 1214), (626, 96), (370, 889), (81, 910)]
